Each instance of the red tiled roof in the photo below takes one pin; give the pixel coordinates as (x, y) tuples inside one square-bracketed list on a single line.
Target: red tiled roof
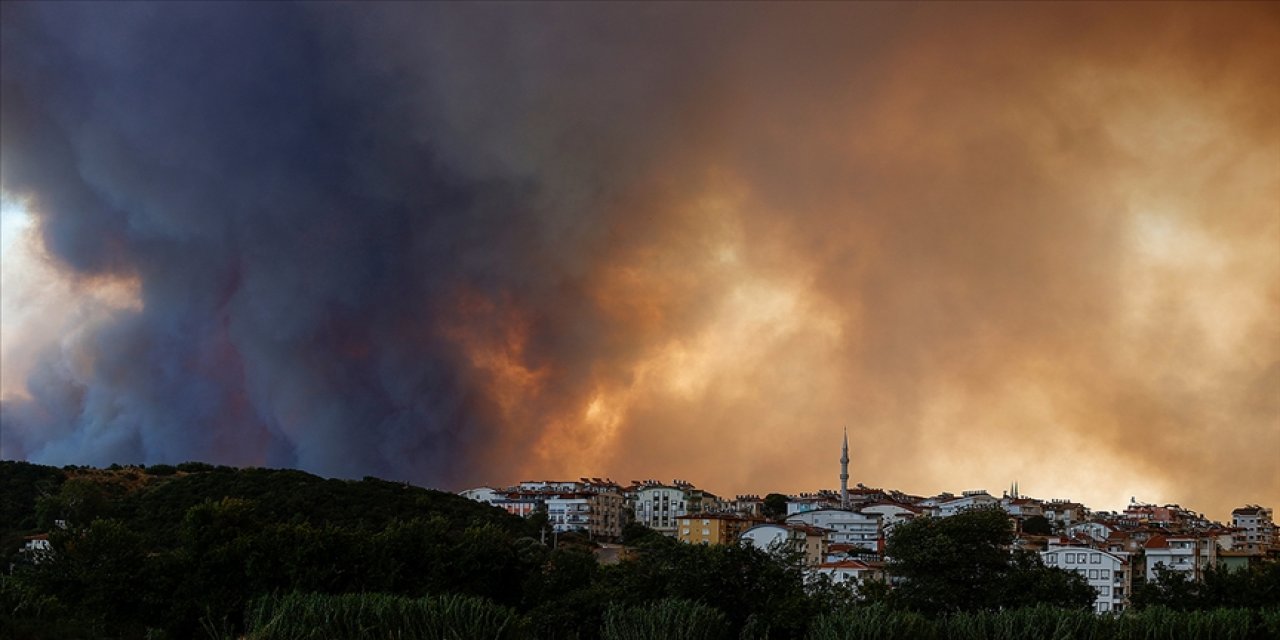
[(844, 564)]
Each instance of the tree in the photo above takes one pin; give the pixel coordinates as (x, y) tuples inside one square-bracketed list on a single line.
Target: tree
[(963, 563), (775, 506), (1037, 526)]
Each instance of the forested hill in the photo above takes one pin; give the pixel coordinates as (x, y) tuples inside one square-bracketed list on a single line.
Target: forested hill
[(154, 501)]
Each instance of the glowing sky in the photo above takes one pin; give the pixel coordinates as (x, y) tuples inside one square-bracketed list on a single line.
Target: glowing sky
[(478, 244)]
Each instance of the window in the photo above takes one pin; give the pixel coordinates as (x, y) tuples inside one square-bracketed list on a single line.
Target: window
[(1104, 606), (1104, 591), (1106, 574), (1096, 558), (1093, 574), (1071, 558), (1051, 559)]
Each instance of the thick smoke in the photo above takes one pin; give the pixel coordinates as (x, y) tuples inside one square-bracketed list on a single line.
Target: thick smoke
[(461, 244)]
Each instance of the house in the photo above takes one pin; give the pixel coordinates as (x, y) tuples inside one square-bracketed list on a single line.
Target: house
[(853, 573), (37, 548), (1095, 530), (487, 495), (1065, 512), (1022, 508), (1108, 573), (770, 536)]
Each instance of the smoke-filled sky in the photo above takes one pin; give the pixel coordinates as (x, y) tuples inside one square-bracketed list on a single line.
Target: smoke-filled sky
[(464, 244)]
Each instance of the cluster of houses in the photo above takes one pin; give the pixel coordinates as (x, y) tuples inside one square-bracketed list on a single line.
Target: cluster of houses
[(841, 534)]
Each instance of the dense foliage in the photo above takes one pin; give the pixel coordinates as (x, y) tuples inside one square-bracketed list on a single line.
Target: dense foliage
[(366, 616), (195, 551), (960, 564), (1049, 623)]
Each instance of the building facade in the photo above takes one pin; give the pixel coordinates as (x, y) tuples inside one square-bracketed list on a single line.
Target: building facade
[(1108, 573)]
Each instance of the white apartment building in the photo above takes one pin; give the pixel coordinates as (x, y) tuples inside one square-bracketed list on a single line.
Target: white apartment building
[(1255, 529), (1098, 531), (1188, 554), (967, 500), (891, 514), (657, 506), (845, 527), (1108, 573)]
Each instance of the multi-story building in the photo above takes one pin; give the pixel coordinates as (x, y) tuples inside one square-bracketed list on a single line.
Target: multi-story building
[(891, 514), (750, 506), (593, 506), (1097, 531), (967, 500), (770, 536), (1255, 530), (1108, 573), (844, 527), (1064, 513), (599, 514), (1022, 508), (658, 506), (1189, 554), (711, 528), (812, 502)]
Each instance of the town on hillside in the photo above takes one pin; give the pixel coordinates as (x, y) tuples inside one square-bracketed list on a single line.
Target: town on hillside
[(841, 534)]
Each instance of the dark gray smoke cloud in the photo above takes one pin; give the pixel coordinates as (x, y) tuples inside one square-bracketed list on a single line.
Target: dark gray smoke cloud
[(468, 243), (292, 226)]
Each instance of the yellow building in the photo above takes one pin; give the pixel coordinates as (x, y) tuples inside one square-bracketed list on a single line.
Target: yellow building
[(711, 528)]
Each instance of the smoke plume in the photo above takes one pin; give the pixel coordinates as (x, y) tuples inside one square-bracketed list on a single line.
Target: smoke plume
[(475, 244)]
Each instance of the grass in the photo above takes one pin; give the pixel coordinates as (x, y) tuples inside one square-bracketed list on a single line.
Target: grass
[(376, 616), (668, 619), (1048, 623)]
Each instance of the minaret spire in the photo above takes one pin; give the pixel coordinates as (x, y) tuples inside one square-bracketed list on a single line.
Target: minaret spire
[(844, 472)]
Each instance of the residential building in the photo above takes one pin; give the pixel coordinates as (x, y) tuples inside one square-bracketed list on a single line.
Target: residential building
[(1255, 529), (853, 573), (891, 514), (487, 495), (967, 500), (593, 506), (1108, 573), (1094, 530), (770, 536), (658, 506), (844, 527), (1190, 554), (711, 528), (1065, 513)]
